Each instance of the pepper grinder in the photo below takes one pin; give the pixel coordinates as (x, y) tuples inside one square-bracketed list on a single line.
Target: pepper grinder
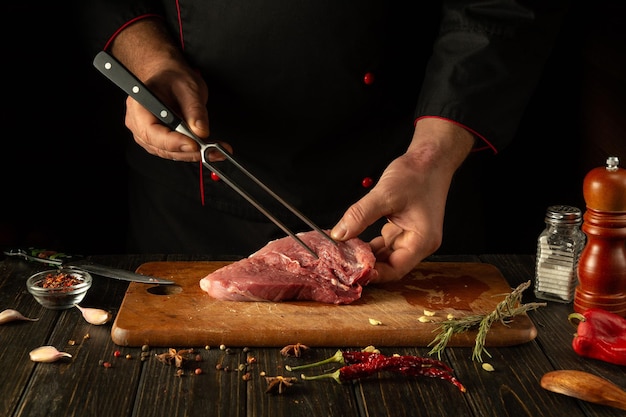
[(602, 264)]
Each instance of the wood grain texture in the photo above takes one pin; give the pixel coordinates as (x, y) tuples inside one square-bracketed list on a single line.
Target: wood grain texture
[(184, 315), (82, 387)]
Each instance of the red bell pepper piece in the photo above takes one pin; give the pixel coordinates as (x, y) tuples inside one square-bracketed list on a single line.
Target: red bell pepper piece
[(600, 335)]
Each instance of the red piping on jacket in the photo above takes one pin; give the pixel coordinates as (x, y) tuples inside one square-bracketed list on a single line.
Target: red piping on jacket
[(182, 46), (125, 25), (485, 146), (180, 26)]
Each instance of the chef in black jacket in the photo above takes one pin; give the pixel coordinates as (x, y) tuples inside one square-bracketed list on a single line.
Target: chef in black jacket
[(358, 113)]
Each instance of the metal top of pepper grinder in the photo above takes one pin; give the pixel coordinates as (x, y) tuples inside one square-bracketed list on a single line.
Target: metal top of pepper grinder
[(602, 264)]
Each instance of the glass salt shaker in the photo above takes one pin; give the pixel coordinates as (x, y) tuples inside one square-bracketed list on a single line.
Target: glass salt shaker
[(558, 250)]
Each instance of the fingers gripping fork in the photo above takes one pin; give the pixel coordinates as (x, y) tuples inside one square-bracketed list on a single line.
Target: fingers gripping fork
[(124, 79)]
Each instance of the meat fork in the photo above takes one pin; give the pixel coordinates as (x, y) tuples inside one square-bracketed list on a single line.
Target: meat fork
[(126, 80)]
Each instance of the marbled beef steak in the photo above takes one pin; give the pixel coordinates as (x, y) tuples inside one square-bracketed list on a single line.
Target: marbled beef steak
[(282, 270)]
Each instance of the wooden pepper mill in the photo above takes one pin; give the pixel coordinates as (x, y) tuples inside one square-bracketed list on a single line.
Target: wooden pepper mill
[(602, 264)]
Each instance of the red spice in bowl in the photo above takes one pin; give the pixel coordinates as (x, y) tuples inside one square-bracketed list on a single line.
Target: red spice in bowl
[(59, 280), (59, 289)]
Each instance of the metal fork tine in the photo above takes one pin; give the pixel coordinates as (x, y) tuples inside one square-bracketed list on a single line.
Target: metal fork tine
[(206, 147)]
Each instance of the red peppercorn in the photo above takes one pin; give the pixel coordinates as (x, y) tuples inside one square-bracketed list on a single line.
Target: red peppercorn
[(214, 176), (117, 353), (367, 182), (107, 364), (198, 371)]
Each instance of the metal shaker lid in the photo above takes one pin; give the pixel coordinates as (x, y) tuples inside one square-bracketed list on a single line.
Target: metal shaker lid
[(563, 214)]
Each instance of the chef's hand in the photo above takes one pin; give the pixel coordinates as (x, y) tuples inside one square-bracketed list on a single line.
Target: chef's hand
[(160, 65), (411, 194), (186, 94)]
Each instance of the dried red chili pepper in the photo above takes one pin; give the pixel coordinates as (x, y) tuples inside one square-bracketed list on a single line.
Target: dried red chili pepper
[(357, 356), (600, 334), (363, 364)]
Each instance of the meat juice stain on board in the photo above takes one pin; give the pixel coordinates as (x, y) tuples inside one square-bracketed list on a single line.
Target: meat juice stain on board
[(431, 289)]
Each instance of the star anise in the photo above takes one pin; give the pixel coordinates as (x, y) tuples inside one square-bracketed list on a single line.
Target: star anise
[(172, 355), (293, 350), (279, 383)]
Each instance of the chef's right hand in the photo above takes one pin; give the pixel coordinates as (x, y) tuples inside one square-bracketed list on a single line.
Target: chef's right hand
[(147, 50), (185, 92)]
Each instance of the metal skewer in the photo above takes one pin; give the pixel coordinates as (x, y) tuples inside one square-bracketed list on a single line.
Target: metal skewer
[(124, 79)]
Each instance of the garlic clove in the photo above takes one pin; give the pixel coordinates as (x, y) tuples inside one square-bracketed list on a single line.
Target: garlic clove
[(13, 315), (47, 354), (94, 315)]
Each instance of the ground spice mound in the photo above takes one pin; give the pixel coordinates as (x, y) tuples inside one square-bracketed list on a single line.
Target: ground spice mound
[(60, 280)]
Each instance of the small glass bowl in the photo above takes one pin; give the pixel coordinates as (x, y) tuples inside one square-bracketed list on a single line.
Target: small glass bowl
[(59, 289)]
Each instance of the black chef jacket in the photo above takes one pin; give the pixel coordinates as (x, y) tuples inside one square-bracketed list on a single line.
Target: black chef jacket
[(317, 97)]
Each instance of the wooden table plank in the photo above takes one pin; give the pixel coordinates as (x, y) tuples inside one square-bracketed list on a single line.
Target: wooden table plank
[(166, 390), (20, 337), (394, 395), (66, 387), (304, 398), (81, 387), (554, 338)]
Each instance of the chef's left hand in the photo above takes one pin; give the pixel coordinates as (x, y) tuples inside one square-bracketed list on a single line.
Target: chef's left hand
[(411, 194)]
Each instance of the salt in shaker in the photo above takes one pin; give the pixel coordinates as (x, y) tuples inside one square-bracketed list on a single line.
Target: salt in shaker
[(558, 250)]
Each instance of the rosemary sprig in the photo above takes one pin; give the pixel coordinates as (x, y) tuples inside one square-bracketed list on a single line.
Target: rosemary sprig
[(504, 312)]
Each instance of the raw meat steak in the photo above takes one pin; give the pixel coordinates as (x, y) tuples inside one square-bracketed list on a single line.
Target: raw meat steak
[(282, 270)]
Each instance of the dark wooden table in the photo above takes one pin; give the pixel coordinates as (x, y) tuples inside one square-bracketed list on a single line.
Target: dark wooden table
[(82, 386)]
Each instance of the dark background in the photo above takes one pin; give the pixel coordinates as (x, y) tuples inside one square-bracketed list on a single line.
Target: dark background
[(64, 174)]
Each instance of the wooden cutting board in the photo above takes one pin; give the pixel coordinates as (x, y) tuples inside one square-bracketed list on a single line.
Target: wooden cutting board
[(182, 315)]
